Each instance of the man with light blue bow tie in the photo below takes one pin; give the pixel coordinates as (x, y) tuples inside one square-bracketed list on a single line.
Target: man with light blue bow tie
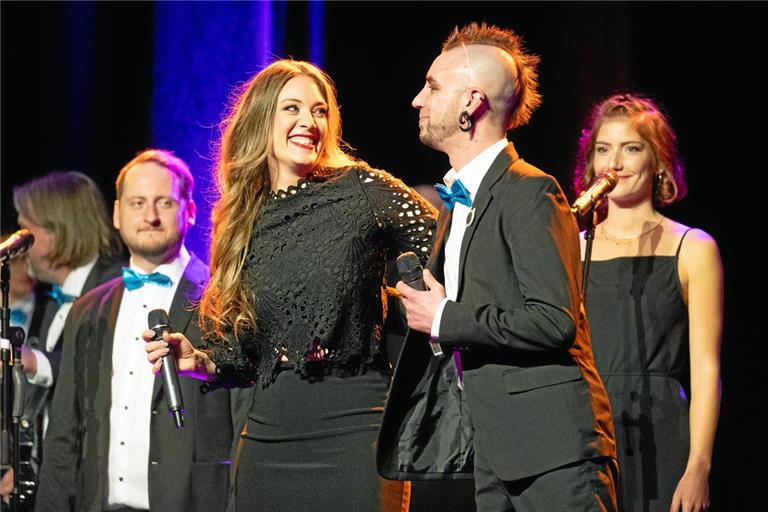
[(21, 292), (108, 417), (72, 256), (516, 403)]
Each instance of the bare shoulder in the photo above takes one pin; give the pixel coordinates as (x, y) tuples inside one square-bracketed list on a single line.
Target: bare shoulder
[(698, 250), (695, 239)]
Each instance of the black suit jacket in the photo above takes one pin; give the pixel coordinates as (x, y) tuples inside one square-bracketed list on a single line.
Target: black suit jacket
[(103, 270), (45, 310), (188, 470), (532, 392)]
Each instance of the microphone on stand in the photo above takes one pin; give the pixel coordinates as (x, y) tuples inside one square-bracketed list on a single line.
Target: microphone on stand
[(158, 322), (594, 194), (15, 244)]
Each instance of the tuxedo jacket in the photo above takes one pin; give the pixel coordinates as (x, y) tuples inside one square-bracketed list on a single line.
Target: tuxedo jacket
[(104, 270), (532, 399), (188, 469), (36, 397)]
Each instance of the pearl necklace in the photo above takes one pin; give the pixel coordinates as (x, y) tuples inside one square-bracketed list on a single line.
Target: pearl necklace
[(629, 240)]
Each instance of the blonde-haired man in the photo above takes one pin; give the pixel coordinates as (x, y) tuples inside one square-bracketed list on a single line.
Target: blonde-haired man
[(75, 250)]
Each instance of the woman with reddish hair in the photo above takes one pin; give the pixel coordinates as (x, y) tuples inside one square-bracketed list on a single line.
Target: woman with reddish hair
[(655, 308)]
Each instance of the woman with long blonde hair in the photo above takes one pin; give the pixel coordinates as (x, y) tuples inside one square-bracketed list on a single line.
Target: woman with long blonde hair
[(655, 308), (295, 304)]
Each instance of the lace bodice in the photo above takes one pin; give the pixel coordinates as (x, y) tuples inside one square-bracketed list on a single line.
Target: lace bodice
[(316, 268)]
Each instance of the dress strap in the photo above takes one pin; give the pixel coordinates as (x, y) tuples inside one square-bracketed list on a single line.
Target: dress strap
[(680, 244)]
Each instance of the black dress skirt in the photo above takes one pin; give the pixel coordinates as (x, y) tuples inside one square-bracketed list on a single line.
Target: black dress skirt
[(309, 445), (316, 267)]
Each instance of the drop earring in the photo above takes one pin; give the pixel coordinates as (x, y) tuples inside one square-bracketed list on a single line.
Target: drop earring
[(465, 122)]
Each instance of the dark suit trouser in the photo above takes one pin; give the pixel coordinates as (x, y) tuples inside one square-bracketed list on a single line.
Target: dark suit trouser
[(584, 486), (442, 496)]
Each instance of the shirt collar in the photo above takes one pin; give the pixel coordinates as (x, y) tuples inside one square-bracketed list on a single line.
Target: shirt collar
[(173, 269), (26, 302), (472, 174), (75, 280)]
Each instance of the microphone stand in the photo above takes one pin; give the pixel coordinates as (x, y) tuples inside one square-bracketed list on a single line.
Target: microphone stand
[(589, 236), (12, 369)]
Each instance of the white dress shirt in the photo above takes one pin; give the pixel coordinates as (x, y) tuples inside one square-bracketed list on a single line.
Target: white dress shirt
[(132, 385), (471, 175), (72, 285)]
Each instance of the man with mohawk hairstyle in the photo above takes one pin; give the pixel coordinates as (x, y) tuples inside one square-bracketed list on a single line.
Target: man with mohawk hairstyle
[(515, 402)]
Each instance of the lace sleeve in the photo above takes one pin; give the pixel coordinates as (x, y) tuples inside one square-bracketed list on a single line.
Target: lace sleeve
[(407, 217), (233, 366)]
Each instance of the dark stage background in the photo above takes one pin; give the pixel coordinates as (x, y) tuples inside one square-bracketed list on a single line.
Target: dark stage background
[(87, 85)]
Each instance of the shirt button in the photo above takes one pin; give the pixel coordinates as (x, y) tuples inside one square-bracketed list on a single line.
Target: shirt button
[(126, 407), (120, 478), (122, 443)]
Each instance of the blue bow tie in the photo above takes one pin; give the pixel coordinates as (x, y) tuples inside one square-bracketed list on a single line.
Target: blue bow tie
[(59, 296), (18, 317), (458, 193), (133, 280)]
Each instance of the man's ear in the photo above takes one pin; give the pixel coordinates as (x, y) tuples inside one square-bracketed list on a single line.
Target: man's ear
[(475, 99), (191, 212), (116, 215)]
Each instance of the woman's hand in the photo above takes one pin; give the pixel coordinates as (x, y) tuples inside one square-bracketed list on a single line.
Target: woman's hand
[(6, 485), (692, 493), (189, 361)]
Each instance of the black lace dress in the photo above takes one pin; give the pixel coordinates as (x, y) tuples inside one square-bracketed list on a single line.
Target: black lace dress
[(316, 265)]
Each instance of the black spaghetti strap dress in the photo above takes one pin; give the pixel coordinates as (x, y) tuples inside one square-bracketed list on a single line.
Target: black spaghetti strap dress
[(639, 326)]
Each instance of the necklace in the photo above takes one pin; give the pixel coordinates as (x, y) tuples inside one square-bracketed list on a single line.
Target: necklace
[(628, 240)]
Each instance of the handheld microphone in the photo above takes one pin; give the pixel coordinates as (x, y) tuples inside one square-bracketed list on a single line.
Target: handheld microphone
[(158, 322), (411, 272), (594, 194), (15, 244)]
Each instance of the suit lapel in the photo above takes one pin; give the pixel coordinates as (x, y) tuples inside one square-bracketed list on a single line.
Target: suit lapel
[(50, 311), (104, 270), (114, 298), (481, 201), (188, 292), (92, 281), (99, 351), (436, 256)]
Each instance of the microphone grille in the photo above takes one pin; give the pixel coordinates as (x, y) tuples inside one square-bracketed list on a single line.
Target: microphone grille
[(409, 266), (26, 236), (611, 177), (157, 317)]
